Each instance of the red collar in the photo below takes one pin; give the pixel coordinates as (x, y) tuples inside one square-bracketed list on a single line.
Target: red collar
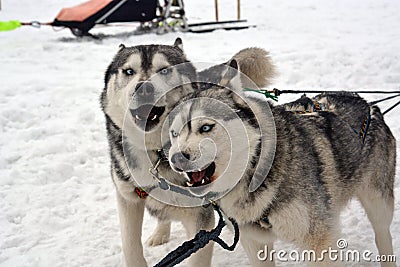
[(141, 193)]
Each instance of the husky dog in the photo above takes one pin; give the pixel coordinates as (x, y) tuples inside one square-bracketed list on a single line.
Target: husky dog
[(320, 163), (129, 92)]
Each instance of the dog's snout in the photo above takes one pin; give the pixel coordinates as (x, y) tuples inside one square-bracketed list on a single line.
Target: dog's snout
[(179, 159), (145, 89)]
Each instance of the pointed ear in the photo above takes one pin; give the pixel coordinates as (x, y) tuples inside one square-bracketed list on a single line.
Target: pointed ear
[(231, 73), (178, 43), (121, 47), (233, 64), (231, 80)]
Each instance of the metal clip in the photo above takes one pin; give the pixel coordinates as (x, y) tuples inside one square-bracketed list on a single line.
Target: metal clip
[(153, 170), (36, 24)]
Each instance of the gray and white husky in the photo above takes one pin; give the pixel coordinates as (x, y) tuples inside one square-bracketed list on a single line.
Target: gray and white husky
[(141, 85), (319, 164)]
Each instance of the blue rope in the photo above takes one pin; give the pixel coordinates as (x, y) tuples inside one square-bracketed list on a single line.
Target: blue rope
[(365, 127), (201, 239)]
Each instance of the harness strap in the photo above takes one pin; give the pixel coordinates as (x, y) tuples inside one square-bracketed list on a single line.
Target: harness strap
[(362, 133), (274, 93), (317, 106), (143, 192), (392, 107), (383, 99), (201, 239), (278, 92)]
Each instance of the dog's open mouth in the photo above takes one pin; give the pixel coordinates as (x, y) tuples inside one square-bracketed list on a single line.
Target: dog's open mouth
[(147, 116), (202, 177)]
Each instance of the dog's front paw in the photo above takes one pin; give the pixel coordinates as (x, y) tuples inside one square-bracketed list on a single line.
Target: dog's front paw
[(158, 238)]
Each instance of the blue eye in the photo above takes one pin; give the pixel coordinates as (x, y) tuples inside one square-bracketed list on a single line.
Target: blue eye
[(164, 71), (206, 128), (129, 72), (174, 134)]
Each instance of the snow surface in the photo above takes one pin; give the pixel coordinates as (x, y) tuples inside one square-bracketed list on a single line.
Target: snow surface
[(58, 203)]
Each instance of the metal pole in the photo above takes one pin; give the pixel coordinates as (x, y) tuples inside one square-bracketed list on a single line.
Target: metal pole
[(238, 9), (216, 10)]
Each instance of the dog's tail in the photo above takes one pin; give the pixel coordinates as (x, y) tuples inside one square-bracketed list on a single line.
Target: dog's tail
[(256, 63)]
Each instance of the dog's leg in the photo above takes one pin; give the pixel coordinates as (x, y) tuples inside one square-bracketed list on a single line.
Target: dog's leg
[(258, 244), (258, 253), (131, 220), (321, 242), (380, 213), (160, 235), (201, 219)]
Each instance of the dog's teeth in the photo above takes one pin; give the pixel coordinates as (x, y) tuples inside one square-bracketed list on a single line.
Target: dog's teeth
[(189, 184), (155, 117), (203, 181), (138, 118)]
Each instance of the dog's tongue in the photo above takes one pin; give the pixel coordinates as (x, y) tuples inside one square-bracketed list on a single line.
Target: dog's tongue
[(198, 176), (145, 111)]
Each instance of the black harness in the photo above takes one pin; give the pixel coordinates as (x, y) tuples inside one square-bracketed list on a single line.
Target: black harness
[(201, 239)]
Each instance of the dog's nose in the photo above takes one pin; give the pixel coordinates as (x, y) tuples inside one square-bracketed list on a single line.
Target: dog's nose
[(179, 160), (144, 89)]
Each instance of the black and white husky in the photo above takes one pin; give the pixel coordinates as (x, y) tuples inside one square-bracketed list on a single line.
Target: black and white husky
[(142, 84), (318, 164)]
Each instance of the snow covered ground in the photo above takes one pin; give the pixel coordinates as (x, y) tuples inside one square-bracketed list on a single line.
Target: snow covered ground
[(57, 202)]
